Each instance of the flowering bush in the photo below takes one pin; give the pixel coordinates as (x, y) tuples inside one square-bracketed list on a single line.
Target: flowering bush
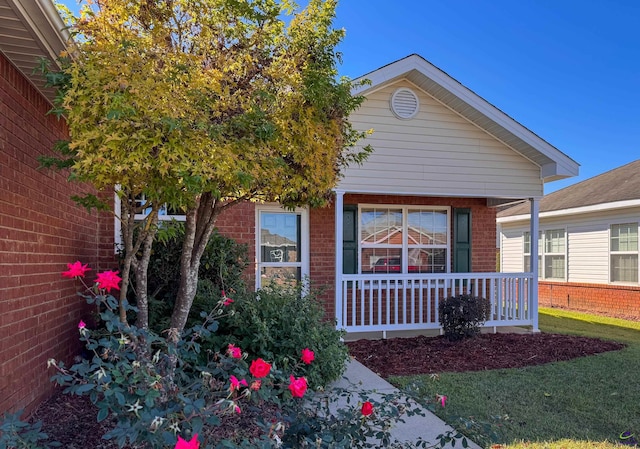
[(282, 325), (162, 396)]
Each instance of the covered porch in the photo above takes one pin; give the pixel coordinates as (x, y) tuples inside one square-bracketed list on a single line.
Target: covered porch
[(370, 301)]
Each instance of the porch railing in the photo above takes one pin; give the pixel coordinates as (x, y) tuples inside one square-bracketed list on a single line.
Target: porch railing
[(392, 302)]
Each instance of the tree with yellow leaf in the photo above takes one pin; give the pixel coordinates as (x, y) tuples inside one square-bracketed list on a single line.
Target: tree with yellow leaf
[(201, 104)]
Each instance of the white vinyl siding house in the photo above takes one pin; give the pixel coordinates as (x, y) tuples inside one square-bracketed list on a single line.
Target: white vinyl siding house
[(588, 249), (600, 218)]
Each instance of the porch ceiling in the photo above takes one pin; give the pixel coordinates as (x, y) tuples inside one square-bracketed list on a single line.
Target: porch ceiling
[(552, 162), (30, 30)]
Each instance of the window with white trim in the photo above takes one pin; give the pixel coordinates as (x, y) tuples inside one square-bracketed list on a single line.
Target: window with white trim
[(624, 252), (551, 253), (526, 250), (404, 239), (282, 243), (165, 213), (554, 254)]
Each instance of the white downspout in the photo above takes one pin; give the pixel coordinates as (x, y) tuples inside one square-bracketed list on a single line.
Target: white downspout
[(533, 286), (339, 206)]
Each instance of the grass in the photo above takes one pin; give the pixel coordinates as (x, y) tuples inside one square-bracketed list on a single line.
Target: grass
[(585, 402)]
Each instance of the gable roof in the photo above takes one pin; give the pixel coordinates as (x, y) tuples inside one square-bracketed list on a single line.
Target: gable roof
[(619, 185), (553, 163), (30, 30)]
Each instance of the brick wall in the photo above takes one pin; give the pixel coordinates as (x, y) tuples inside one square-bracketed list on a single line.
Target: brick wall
[(41, 230), (239, 223), (612, 300)]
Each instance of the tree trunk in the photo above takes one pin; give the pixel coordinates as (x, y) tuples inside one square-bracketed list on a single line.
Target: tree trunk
[(142, 266), (200, 222)]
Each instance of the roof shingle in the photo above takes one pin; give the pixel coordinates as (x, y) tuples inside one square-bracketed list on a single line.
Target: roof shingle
[(619, 184)]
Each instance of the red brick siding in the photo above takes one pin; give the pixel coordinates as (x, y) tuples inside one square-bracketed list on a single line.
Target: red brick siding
[(612, 300), (41, 230), (239, 223)]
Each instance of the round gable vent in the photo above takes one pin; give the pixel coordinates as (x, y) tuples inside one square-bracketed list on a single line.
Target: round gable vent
[(405, 103)]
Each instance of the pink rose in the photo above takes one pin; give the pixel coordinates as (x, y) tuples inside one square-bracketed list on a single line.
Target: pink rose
[(234, 351), (367, 408), (191, 444), (76, 269), (236, 384), (255, 385), (82, 325), (259, 368), (108, 280), (308, 356), (297, 386), (226, 300)]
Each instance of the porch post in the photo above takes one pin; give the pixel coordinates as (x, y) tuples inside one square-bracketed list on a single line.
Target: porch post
[(533, 285), (339, 211)]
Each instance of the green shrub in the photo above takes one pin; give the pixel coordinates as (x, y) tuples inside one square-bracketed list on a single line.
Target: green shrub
[(462, 316), (221, 267), (277, 323)]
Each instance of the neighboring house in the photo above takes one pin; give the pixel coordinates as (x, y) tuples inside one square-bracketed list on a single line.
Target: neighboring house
[(41, 229), (588, 243), (412, 225)]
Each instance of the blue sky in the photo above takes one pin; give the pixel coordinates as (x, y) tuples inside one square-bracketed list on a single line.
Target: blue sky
[(569, 70)]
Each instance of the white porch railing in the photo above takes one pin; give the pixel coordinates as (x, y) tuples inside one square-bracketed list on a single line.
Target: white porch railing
[(396, 302)]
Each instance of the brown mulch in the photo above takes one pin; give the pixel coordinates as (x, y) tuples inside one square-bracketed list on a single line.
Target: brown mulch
[(425, 355), (71, 419)]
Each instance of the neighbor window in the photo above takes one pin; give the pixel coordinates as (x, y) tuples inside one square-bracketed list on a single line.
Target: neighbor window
[(624, 252), (554, 254), (282, 245), (404, 239), (551, 253), (527, 252)]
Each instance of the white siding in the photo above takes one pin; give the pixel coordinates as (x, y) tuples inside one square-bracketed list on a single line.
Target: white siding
[(436, 153), (587, 242), (511, 249)]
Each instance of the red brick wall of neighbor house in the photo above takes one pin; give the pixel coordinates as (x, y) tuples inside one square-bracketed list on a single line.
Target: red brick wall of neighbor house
[(41, 230), (613, 300)]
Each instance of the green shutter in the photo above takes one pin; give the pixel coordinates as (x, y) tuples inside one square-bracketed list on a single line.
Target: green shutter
[(350, 239), (462, 240)]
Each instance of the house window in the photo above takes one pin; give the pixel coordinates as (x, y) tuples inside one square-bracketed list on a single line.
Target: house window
[(554, 254), (165, 213), (527, 252), (283, 246), (409, 239), (551, 253), (624, 252)]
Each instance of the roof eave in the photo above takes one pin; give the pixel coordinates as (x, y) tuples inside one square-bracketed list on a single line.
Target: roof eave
[(48, 37)]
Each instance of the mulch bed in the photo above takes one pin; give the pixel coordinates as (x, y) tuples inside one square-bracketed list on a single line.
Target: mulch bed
[(425, 355)]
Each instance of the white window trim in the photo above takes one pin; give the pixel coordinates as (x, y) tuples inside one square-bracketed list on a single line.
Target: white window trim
[(621, 252), (304, 242), (542, 253), (405, 244), (117, 227)]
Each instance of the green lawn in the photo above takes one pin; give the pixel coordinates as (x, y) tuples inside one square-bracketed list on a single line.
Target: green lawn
[(579, 403)]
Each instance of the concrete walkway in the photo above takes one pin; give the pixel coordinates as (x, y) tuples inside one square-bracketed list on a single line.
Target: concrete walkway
[(427, 427)]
